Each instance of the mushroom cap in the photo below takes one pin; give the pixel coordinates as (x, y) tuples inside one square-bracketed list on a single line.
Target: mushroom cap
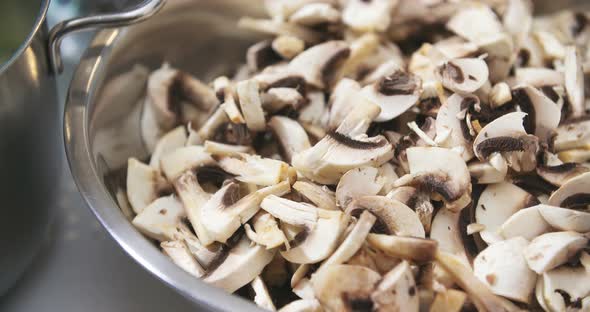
[(573, 193), (509, 125), (496, 204), (504, 269), (447, 121), (565, 288), (357, 182), (318, 64), (342, 287), (551, 250), (393, 217), (244, 262), (527, 223), (463, 75), (395, 94), (565, 219), (397, 291)]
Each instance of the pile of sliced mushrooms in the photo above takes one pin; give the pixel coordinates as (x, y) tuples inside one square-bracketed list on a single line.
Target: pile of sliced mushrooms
[(379, 155)]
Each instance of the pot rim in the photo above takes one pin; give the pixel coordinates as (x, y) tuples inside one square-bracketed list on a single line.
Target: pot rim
[(83, 89), (40, 20)]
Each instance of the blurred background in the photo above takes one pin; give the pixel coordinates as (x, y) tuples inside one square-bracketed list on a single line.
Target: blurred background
[(79, 268)]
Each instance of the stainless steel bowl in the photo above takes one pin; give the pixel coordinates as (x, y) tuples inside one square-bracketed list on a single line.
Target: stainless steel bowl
[(101, 122)]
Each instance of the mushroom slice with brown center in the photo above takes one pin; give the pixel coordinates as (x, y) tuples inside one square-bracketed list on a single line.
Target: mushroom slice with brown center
[(463, 75), (225, 212), (144, 184), (575, 193), (551, 250), (504, 269), (345, 287), (574, 81), (244, 263), (291, 137), (261, 55), (315, 14), (439, 171), (183, 159), (543, 114), (527, 223), (566, 289), (357, 182), (160, 219), (393, 217), (447, 121), (397, 291), (394, 94), (368, 16), (193, 198), (566, 219), (180, 254), (320, 196), (255, 169), (172, 140), (419, 250), (276, 99), (560, 174), (496, 204), (251, 104), (265, 231), (318, 64)]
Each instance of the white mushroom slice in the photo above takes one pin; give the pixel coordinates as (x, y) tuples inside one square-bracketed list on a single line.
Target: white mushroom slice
[(217, 119), (276, 99), (573, 135), (291, 137), (387, 177), (551, 250), (337, 153), (496, 204), (319, 243), (565, 219), (172, 140), (550, 44), (244, 263), (314, 14), (441, 171), (393, 217), (486, 173), (320, 196), (261, 296), (413, 249), (339, 287), (359, 119), (206, 256), (368, 16), (394, 94), (255, 169), (143, 184), (566, 289), (479, 293), (543, 114), (291, 212), (353, 241), (574, 81), (357, 182), (266, 231), (561, 173), (447, 121), (288, 46), (302, 305), (279, 28), (475, 22), (248, 93), (455, 47), (303, 289), (299, 274), (318, 65), (222, 149), (446, 230), (342, 101), (315, 112), (503, 268), (193, 198), (500, 95), (539, 288), (184, 159), (124, 205), (518, 19), (539, 77), (180, 254), (160, 219), (463, 75), (451, 300), (225, 212), (573, 194), (527, 223), (397, 291)]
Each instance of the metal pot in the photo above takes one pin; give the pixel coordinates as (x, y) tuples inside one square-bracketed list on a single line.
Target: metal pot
[(30, 147)]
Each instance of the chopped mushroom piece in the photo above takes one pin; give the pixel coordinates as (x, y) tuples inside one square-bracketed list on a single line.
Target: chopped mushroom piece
[(566, 289), (565, 219), (575, 193), (143, 184), (315, 14), (368, 16), (172, 140), (262, 297), (160, 219), (290, 136), (357, 182), (574, 81), (250, 102), (550, 250), (265, 231), (255, 169), (288, 46), (320, 196), (180, 254), (527, 223), (193, 198), (395, 94), (183, 159), (447, 121), (303, 305), (396, 291), (464, 75), (413, 249), (318, 65), (451, 300)]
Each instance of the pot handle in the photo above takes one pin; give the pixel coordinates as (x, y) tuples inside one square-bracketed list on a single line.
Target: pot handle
[(60, 30)]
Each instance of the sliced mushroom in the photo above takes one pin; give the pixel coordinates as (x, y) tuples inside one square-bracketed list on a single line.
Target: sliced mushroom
[(575, 193), (463, 75), (283, 9), (439, 171), (474, 23), (394, 94), (551, 250), (496, 204), (486, 173), (303, 305), (144, 184), (244, 263), (565, 219), (345, 287), (413, 249), (160, 219), (342, 100), (357, 182), (574, 81), (451, 300), (172, 140), (500, 95), (184, 159), (503, 268), (446, 230), (447, 121), (255, 169), (393, 217), (543, 114), (539, 77), (193, 198), (291, 212), (222, 149), (560, 174), (368, 16), (527, 223), (276, 99), (387, 176), (288, 46), (249, 94), (290, 136), (225, 212), (572, 135), (320, 196), (265, 231), (280, 28), (315, 14), (261, 55), (209, 128), (318, 64), (566, 289), (180, 254), (396, 291), (261, 296)]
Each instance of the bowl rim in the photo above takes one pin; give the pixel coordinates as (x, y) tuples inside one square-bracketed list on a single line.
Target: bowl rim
[(86, 82)]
